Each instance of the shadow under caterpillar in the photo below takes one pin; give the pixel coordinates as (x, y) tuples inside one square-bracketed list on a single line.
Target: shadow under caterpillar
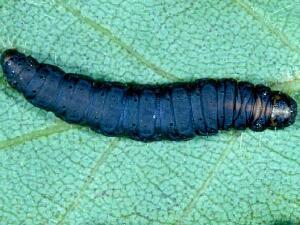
[(176, 111)]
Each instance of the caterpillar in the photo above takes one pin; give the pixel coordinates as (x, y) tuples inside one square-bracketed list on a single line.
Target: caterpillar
[(175, 111)]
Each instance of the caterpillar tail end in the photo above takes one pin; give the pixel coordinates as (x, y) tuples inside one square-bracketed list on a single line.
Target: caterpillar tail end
[(7, 55), (18, 69)]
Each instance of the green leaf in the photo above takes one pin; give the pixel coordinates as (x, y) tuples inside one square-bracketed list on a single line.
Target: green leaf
[(55, 173)]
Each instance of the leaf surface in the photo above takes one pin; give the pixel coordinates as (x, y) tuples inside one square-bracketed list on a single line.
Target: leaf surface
[(52, 172)]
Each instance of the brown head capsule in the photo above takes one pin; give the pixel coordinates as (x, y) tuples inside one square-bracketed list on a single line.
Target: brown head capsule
[(284, 110)]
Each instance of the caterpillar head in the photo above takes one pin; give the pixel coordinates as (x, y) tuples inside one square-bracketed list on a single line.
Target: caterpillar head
[(18, 68), (284, 110)]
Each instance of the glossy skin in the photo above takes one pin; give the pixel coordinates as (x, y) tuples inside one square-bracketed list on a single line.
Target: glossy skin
[(143, 112)]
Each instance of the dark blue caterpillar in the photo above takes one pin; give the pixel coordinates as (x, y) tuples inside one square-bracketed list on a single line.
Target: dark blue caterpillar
[(143, 112)]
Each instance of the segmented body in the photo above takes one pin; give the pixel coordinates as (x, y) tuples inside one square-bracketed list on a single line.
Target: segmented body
[(143, 112)]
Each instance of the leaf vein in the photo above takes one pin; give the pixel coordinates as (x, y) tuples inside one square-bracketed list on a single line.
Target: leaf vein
[(263, 143), (36, 134), (245, 6), (204, 185), (88, 179), (118, 41)]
